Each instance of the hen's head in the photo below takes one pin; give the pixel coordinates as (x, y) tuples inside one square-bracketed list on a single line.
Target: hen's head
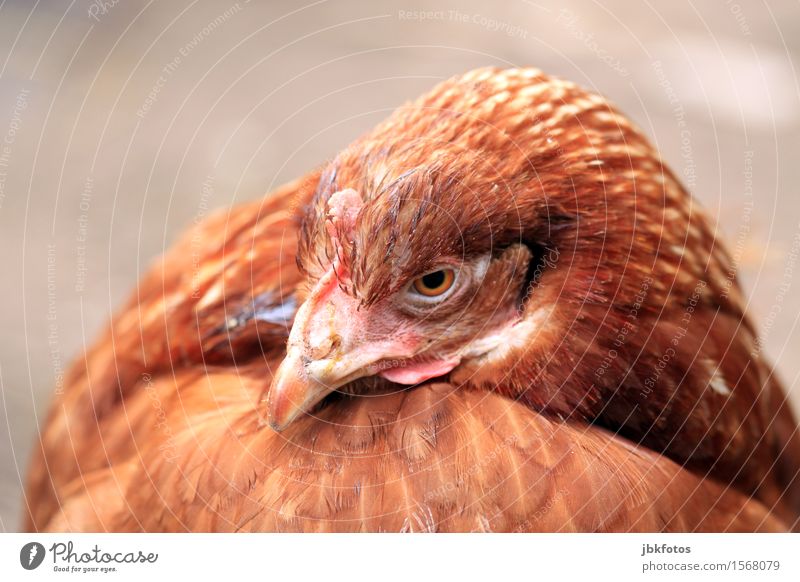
[(466, 233)]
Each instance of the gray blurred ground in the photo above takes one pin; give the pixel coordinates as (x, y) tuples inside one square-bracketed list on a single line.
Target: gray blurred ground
[(114, 115)]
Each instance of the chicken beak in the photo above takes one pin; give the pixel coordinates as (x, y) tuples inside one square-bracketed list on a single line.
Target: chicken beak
[(292, 391), (327, 349)]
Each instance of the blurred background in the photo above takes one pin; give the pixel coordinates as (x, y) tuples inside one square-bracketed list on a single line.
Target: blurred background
[(123, 121)]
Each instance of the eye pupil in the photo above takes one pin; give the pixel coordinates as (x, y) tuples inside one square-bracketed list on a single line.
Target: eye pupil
[(433, 280), (435, 283)]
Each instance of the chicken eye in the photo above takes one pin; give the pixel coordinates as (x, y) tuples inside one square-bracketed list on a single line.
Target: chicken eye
[(435, 284)]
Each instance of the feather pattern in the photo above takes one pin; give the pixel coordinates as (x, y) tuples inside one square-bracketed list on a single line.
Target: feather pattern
[(627, 394)]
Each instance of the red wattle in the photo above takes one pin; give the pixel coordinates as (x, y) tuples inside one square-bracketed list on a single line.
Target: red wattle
[(420, 371)]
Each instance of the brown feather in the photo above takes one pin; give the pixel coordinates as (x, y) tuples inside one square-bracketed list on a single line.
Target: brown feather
[(160, 425)]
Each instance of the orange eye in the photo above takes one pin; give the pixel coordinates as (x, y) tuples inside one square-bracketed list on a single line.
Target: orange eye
[(436, 283)]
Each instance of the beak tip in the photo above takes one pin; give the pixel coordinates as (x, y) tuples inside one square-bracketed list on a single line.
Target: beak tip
[(276, 426), (292, 392), (278, 417)]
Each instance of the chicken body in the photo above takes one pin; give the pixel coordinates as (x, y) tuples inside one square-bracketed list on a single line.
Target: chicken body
[(577, 325)]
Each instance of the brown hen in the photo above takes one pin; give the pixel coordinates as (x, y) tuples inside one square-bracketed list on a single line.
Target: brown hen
[(506, 314)]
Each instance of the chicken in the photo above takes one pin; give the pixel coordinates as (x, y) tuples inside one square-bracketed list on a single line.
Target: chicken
[(497, 311)]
